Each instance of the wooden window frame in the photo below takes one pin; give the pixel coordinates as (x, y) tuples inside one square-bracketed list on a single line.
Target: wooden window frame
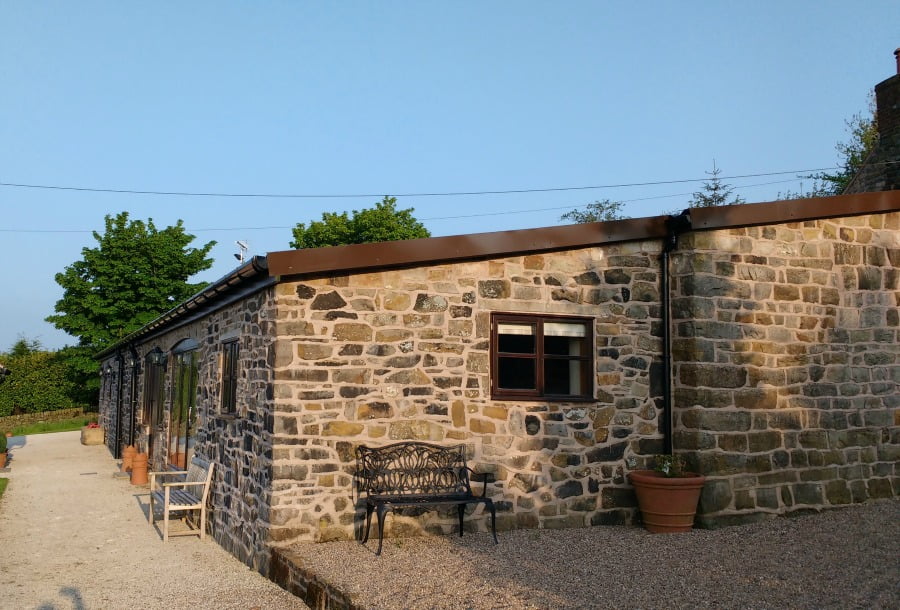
[(586, 358), (230, 352)]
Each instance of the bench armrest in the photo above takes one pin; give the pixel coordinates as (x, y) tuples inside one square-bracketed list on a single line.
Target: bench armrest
[(163, 473), (486, 477), (185, 484)]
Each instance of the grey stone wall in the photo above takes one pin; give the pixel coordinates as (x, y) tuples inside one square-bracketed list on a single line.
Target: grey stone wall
[(238, 444), (788, 363), (382, 357)]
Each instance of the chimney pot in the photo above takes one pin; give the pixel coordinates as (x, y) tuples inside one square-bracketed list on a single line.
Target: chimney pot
[(897, 56)]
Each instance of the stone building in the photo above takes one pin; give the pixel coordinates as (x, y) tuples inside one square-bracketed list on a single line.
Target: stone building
[(760, 341), (881, 170)]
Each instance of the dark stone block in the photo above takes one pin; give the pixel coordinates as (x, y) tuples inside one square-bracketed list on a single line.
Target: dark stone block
[(569, 489), (618, 497), (611, 517), (713, 286), (305, 292), (430, 303), (767, 497), (339, 315), (351, 350), (808, 493), (869, 278), (648, 446), (607, 454), (353, 391), (328, 300), (716, 496), (712, 376), (460, 311), (493, 289), (616, 276), (589, 278), (636, 362)]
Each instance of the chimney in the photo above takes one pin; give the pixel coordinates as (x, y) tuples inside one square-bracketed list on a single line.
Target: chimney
[(881, 171)]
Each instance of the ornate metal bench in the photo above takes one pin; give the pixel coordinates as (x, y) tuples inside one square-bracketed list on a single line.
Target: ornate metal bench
[(186, 494), (417, 474)]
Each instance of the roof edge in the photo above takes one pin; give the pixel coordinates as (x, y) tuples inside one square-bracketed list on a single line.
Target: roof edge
[(256, 267)]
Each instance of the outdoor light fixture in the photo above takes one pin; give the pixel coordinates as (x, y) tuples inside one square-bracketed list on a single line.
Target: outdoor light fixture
[(157, 357)]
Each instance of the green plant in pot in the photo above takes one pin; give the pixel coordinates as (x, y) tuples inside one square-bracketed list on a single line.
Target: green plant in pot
[(667, 495), (2, 451)]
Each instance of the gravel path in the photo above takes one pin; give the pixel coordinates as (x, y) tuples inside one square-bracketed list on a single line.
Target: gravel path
[(848, 558), (72, 536)]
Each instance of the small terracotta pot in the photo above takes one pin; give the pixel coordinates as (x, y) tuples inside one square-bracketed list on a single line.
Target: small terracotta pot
[(667, 504), (139, 467), (128, 454), (3, 460)]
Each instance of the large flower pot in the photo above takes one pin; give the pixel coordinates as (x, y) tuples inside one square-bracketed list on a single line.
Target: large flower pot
[(667, 504), (3, 460), (91, 436)]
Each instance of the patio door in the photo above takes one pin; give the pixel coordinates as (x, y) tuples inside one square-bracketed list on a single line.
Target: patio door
[(183, 419), (154, 397)]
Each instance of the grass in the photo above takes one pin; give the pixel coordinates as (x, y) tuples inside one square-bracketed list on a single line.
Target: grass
[(3, 483), (63, 425)]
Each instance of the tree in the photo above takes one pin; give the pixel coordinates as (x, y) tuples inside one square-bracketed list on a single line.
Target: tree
[(863, 131), (133, 275), (715, 192), (598, 211), (384, 222)]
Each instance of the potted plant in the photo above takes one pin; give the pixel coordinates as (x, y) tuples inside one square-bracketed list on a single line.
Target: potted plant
[(667, 495), (3, 451)]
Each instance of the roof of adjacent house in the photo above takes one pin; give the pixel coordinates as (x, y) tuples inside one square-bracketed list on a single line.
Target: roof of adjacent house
[(263, 271)]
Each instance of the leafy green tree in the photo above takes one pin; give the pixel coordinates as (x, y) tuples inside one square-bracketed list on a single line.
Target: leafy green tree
[(135, 273), (598, 211), (863, 136), (715, 192), (384, 222), (36, 380)]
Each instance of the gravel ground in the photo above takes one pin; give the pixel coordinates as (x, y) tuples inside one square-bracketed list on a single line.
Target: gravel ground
[(73, 536), (847, 558)]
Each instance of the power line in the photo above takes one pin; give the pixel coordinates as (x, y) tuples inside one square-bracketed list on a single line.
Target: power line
[(481, 214), (368, 195)]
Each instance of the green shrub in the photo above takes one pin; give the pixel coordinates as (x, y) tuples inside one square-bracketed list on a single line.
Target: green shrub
[(2, 442), (37, 381)]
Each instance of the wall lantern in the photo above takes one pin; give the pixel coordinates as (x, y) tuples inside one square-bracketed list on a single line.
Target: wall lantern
[(157, 357)]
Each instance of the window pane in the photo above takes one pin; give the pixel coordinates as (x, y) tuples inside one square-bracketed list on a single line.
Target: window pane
[(516, 344), (516, 374), (564, 377), (563, 346), (565, 329)]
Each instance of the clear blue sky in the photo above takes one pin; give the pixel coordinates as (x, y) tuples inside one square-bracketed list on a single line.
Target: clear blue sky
[(402, 97)]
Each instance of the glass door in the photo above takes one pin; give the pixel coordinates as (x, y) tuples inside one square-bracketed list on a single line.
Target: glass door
[(183, 421)]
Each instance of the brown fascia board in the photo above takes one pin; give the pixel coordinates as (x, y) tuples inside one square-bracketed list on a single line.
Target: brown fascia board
[(793, 210), (455, 248), (414, 252)]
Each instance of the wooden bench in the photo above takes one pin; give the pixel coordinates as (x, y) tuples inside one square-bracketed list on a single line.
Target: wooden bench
[(187, 493), (417, 474)]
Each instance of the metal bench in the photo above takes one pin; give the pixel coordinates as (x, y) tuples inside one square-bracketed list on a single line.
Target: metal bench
[(417, 474), (188, 493)]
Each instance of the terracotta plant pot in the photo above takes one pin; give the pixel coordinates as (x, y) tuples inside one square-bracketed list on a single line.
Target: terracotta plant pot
[(3, 460), (128, 454), (667, 504), (139, 469)]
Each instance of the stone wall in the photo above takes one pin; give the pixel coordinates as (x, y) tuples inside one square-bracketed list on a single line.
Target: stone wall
[(787, 354), (387, 356), (238, 444), (11, 422)]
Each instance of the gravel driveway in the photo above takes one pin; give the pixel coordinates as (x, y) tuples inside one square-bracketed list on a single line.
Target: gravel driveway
[(72, 536)]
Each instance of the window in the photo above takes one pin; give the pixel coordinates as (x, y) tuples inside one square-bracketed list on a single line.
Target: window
[(229, 376), (535, 356), (183, 420)]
